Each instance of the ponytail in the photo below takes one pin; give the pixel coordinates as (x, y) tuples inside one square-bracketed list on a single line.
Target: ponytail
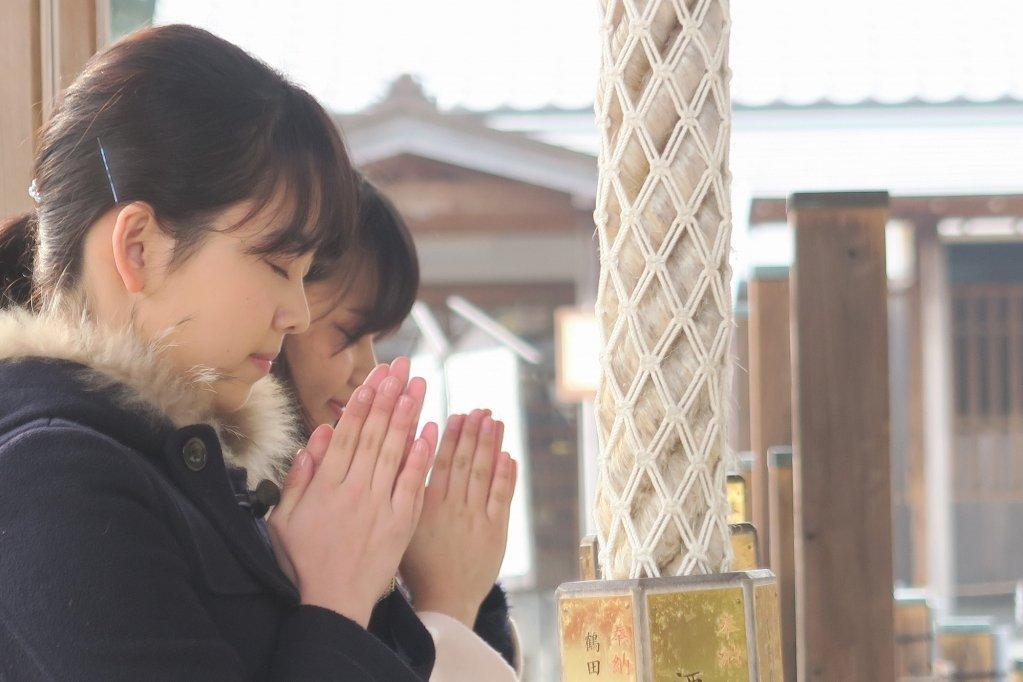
[(17, 249)]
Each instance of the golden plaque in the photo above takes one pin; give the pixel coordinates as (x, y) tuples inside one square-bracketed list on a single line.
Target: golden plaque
[(738, 509), (744, 546), (698, 635), (767, 610), (722, 627), (598, 637)]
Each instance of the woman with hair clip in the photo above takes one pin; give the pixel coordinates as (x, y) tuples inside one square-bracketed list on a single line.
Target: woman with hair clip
[(449, 570), (182, 191)]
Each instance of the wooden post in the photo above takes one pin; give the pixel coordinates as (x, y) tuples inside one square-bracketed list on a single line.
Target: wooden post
[(783, 560), (20, 92), (770, 380), (843, 509), (44, 43), (938, 415), (72, 31)]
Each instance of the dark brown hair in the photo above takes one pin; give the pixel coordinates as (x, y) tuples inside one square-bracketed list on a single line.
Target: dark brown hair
[(190, 124), (383, 248)]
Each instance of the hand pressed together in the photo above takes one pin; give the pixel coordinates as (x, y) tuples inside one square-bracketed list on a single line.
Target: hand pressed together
[(457, 549), (353, 496)]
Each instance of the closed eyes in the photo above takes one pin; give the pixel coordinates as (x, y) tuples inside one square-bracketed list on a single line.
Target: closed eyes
[(347, 339), (278, 269)]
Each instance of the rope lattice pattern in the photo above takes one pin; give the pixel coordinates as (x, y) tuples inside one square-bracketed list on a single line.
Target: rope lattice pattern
[(664, 303)]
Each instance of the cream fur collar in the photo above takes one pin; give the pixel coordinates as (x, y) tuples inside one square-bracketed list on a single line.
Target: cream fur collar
[(262, 436)]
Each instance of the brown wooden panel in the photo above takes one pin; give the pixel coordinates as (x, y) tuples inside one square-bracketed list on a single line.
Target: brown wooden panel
[(20, 115), (987, 331), (43, 46), (770, 385), (841, 428), (436, 197)]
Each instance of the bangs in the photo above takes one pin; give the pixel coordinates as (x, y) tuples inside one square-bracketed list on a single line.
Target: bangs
[(307, 185), (385, 253)]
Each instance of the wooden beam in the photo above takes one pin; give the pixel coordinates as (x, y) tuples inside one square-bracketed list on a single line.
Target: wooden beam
[(783, 559), (764, 210), (842, 480), (770, 385)]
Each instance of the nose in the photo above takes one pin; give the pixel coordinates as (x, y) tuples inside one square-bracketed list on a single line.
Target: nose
[(292, 316)]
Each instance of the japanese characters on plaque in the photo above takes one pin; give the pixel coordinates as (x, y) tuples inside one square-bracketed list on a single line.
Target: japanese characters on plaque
[(597, 638)]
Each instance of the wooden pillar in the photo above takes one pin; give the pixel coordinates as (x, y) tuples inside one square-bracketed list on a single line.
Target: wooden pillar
[(71, 32), (938, 415), (770, 385), (842, 471), (21, 94), (916, 465), (783, 559), (44, 43)]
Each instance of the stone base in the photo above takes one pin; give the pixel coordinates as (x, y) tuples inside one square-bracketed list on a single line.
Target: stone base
[(709, 628)]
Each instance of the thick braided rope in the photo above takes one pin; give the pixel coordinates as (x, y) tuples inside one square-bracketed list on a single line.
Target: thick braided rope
[(664, 298)]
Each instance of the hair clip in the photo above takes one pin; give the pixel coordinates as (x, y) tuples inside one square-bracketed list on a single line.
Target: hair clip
[(33, 191), (106, 167)]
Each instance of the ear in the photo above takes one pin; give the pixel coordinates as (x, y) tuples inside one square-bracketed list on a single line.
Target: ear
[(138, 245)]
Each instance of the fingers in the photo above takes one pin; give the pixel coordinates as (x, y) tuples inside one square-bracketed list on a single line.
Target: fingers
[(392, 450), (400, 367), (461, 461), (377, 376), (343, 442), (410, 481), (482, 468), (438, 487), (417, 391), (318, 443), (375, 429), (295, 484), (502, 489), (498, 440), (347, 436), (430, 435)]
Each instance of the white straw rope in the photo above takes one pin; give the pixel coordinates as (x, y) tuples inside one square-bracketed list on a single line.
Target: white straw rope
[(664, 298)]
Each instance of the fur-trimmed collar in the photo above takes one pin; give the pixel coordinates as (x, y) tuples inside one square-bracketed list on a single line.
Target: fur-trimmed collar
[(261, 436)]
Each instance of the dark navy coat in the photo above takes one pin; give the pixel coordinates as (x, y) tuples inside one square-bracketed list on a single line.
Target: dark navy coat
[(124, 555)]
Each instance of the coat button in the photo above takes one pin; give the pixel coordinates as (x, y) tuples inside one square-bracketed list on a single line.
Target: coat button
[(194, 453)]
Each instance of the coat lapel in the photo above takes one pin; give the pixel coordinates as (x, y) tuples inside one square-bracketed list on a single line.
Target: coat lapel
[(209, 489)]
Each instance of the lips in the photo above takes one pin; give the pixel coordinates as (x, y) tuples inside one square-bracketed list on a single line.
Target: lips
[(337, 407), (264, 362)]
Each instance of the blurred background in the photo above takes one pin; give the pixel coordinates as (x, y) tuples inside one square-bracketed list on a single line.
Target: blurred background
[(476, 118)]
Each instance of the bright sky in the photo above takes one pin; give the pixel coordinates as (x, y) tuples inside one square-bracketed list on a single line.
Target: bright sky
[(528, 53)]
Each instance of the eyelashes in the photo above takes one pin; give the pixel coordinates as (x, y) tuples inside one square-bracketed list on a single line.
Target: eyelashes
[(277, 269), (348, 339)]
